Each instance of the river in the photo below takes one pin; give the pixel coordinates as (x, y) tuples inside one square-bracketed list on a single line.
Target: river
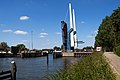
[(36, 68)]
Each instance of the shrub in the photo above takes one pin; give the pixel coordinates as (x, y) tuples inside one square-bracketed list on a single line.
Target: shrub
[(93, 67), (117, 50)]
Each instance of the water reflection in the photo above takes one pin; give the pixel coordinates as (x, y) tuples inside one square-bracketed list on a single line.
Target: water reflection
[(36, 68)]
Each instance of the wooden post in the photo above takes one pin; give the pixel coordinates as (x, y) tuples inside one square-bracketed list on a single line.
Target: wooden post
[(13, 70), (47, 58)]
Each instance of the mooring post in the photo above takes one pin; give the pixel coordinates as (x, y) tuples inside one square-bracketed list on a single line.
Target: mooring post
[(47, 58), (13, 70)]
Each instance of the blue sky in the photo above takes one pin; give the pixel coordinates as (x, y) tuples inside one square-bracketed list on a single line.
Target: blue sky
[(19, 17)]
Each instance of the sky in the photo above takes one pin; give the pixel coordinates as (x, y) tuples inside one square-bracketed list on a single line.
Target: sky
[(20, 19)]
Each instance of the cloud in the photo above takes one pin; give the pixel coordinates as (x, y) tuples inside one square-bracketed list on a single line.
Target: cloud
[(20, 32), (45, 34), (25, 41), (42, 36), (82, 22), (24, 18), (7, 31), (58, 33), (2, 25), (15, 32), (48, 40), (90, 36), (96, 31), (93, 34), (55, 42)]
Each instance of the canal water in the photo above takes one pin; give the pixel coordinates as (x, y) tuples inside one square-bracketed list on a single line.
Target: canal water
[(37, 68)]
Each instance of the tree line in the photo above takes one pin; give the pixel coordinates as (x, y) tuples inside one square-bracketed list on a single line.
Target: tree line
[(108, 36), (4, 47)]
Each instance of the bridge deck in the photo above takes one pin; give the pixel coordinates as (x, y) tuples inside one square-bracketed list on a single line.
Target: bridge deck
[(76, 54)]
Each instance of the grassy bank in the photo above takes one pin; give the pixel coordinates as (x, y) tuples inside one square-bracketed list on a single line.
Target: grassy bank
[(93, 67)]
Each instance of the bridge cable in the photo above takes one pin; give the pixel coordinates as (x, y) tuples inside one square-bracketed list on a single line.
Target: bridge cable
[(66, 15)]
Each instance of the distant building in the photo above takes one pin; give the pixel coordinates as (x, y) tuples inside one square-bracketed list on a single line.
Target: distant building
[(14, 49), (47, 50), (1, 48)]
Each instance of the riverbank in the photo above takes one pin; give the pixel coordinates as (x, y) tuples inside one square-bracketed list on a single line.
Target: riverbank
[(8, 55), (22, 55), (92, 67)]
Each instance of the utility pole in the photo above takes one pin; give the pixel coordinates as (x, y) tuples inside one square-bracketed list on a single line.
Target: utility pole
[(32, 40)]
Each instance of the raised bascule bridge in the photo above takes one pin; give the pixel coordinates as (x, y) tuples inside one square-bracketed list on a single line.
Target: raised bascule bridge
[(69, 37)]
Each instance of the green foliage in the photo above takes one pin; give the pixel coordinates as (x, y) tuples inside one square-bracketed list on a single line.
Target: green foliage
[(56, 48), (88, 47), (117, 51), (109, 32), (93, 67), (21, 47), (78, 50), (4, 46)]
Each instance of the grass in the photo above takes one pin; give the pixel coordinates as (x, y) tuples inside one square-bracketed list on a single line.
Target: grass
[(117, 77), (117, 51), (93, 67)]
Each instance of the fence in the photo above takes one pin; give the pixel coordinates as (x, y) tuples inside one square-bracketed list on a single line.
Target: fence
[(10, 74)]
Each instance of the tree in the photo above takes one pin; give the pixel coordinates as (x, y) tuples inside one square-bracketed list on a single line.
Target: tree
[(4, 47), (108, 36), (56, 48), (88, 47), (21, 47)]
